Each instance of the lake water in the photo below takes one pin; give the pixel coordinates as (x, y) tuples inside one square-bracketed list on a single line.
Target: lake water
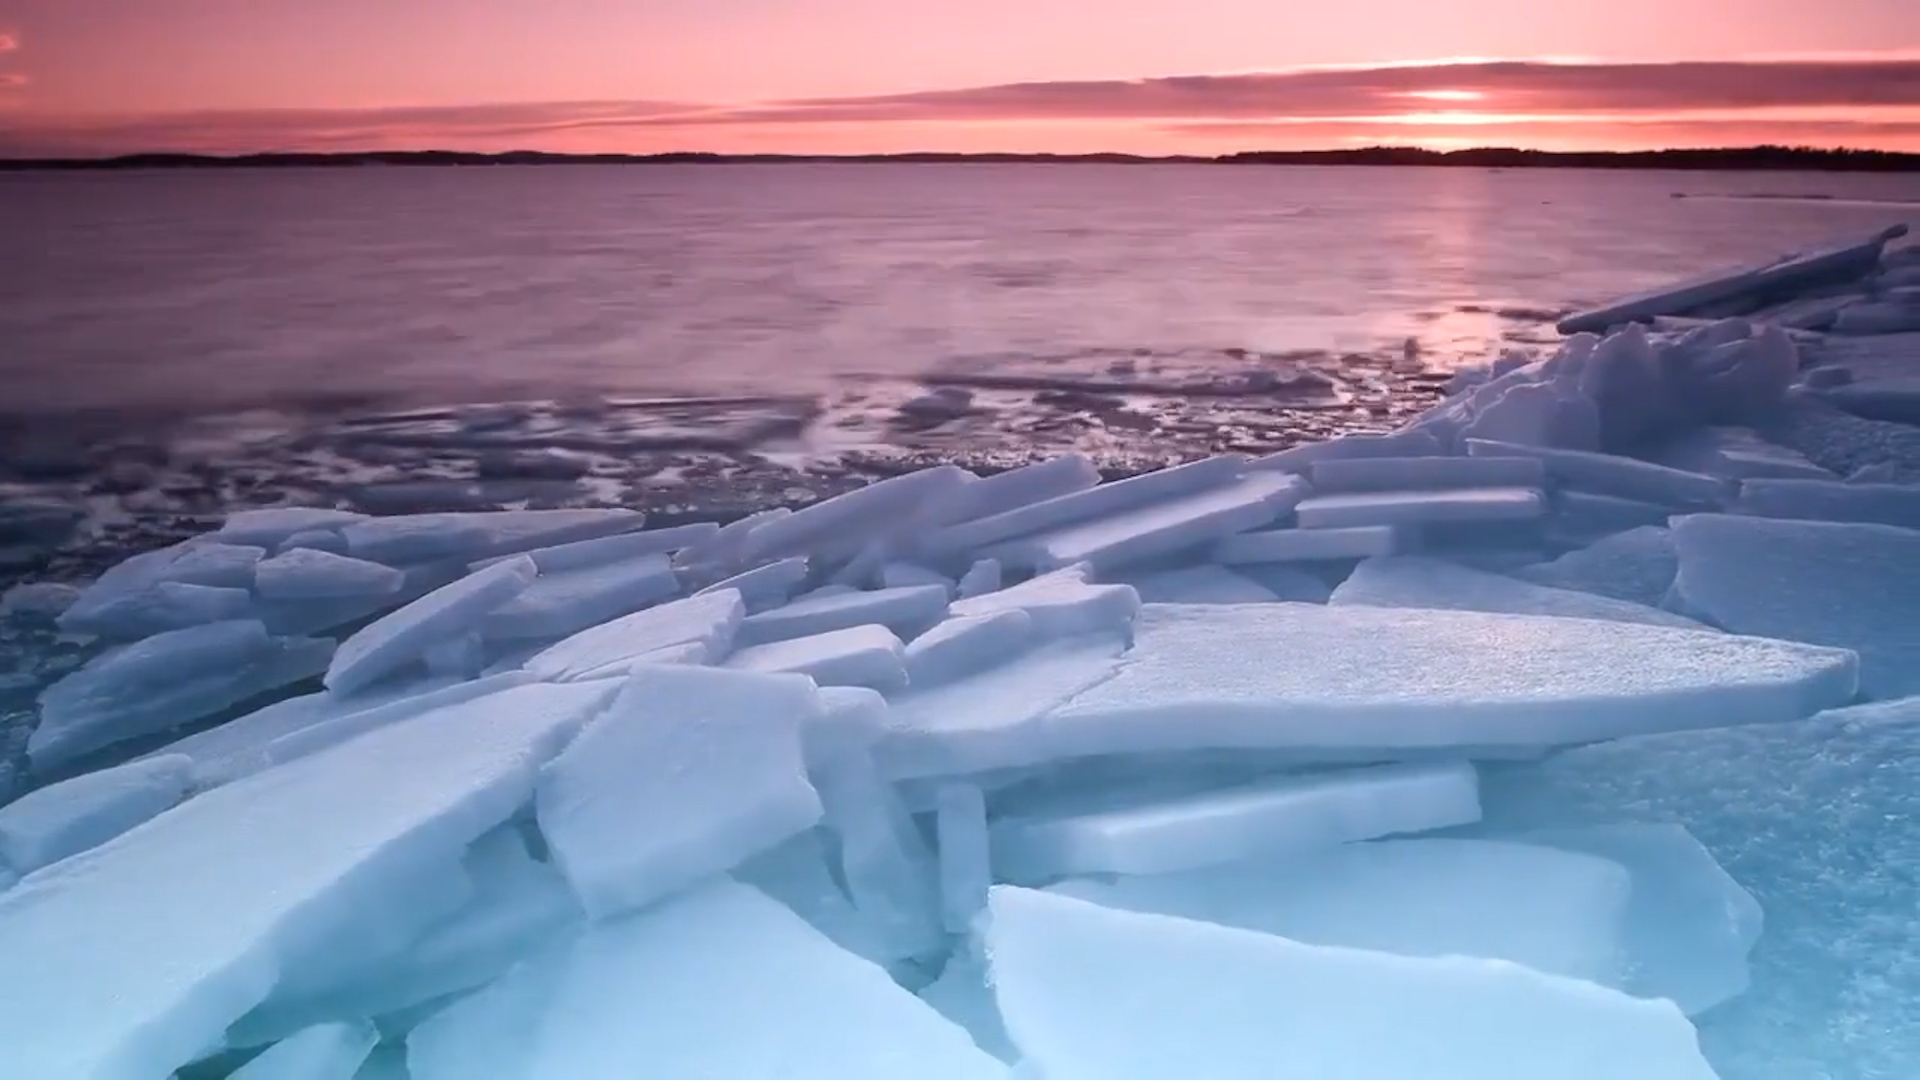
[(213, 291)]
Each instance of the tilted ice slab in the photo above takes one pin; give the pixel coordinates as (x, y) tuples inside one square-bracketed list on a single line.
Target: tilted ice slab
[(1105, 500), (711, 618), (1850, 586), (1420, 507), (619, 547), (1062, 603), (691, 772), (76, 815), (479, 535), (1302, 458), (1092, 993), (1413, 582), (962, 646), (1258, 820), (859, 656), (1002, 492), (268, 527), (906, 611), (1637, 566), (238, 886), (1336, 475), (722, 982), (1826, 500), (1553, 911), (1611, 474), (569, 601), (1313, 545), (763, 587), (858, 513), (192, 582), (1299, 676), (398, 638), (306, 574), (1157, 529)]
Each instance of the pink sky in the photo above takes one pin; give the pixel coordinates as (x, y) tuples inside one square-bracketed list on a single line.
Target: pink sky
[(1147, 76)]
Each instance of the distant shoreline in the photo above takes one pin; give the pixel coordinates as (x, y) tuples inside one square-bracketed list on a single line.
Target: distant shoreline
[(1748, 159)]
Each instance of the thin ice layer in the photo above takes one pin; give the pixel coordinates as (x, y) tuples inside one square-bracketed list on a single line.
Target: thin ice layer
[(1611, 474), (619, 547), (398, 638), (1313, 545), (268, 526), (1157, 529), (907, 611), (1553, 911), (1420, 507), (867, 656), (1846, 585), (76, 815), (1111, 834), (691, 772), (1298, 676), (569, 601), (470, 536), (1091, 993), (709, 618), (1335, 475), (281, 866), (1413, 582)]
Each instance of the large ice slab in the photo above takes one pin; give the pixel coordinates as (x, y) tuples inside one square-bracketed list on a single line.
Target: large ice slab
[(859, 656), (1826, 500), (569, 601), (1010, 490), (691, 772), (1300, 676), (711, 618), (1302, 458), (619, 547), (1314, 545), (1553, 911), (1109, 834), (1637, 566), (269, 526), (307, 574), (245, 883), (1337, 475), (1093, 993), (963, 646), (1413, 582), (907, 611), (840, 521), (1117, 497), (1850, 586), (131, 614), (76, 815), (1062, 603), (332, 1051), (763, 586), (398, 638), (1420, 507), (1622, 477), (470, 536), (1737, 454), (1143, 533), (723, 982)]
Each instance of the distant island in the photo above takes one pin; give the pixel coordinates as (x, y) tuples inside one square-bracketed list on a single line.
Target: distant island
[(1745, 159)]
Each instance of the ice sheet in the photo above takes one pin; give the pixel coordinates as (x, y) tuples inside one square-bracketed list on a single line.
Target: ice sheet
[(268, 527), (710, 618), (1314, 545), (1062, 603), (862, 510), (765, 586), (307, 574), (907, 611), (1623, 477), (1420, 507), (1157, 529), (1415, 582), (77, 815), (569, 601), (1010, 490), (962, 646), (468, 537), (869, 656), (1337, 475), (398, 638), (619, 547), (1091, 993), (1637, 566), (1302, 458), (689, 773), (981, 578), (1826, 500)]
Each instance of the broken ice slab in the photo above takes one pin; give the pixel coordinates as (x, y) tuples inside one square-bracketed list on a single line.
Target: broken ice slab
[(1336, 475), (1314, 545), (708, 766), (709, 618), (1304, 677), (852, 720), (982, 577), (866, 656), (1585, 516), (965, 645), (1827, 500), (855, 514), (119, 706), (1062, 603), (285, 866), (1420, 507), (400, 637), (1415, 582), (469, 536), (1844, 585), (661, 993), (1622, 477), (765, 586), (899, 575), (270, 526), (306, 574), (1002, 492), (1301, 459), (569, 601), (333, 1051), (619, 547), (1091, 993), (724, 548), (1841, 262), (907, 611), (1205, 584), (1735, 454), (1106, 833), (1104, 500), (1637, 566), (1554, 911), (1157, 529), (965, 870), (76, 815), (890, 874), (129, 615)]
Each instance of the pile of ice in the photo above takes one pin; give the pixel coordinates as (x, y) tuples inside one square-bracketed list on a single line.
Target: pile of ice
[(1245, 768)]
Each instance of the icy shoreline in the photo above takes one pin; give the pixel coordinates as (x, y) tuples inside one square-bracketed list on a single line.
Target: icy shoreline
[(1567, 729)]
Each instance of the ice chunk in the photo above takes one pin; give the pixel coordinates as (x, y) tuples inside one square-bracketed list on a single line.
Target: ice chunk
[(1010, 490), (395, 640), (765, 586), (1689, 926), (709, 618), (899, 575), (1425, 473), (710, 762), (1277, 816), (306, 574), (1637, 566), (961, 994), (1142, 533), (962, 646), (981, 578), (469, 536), (153, 609), (1420, 507), (1302, 458), (1538, 414), (852, 720), (869, 656), (865, 509), (1626, 478), (965, 874), (1062, 603), (315, 539), (907, 611), (1553, 911), (890, 875), (1200, 585), (323, 1052), (284, 865), (79, 814), (1313, 545), (570, 601), (1102, 501), (1582, 514), (1298, 676), (1826, 500), (724, 548), (269, 527), (1735, 454), (1091, 993), (619, 547), (1851, 586), (1412, 582)]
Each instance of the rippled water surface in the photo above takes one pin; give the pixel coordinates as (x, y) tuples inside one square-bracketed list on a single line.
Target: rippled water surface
[(223, 290)]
